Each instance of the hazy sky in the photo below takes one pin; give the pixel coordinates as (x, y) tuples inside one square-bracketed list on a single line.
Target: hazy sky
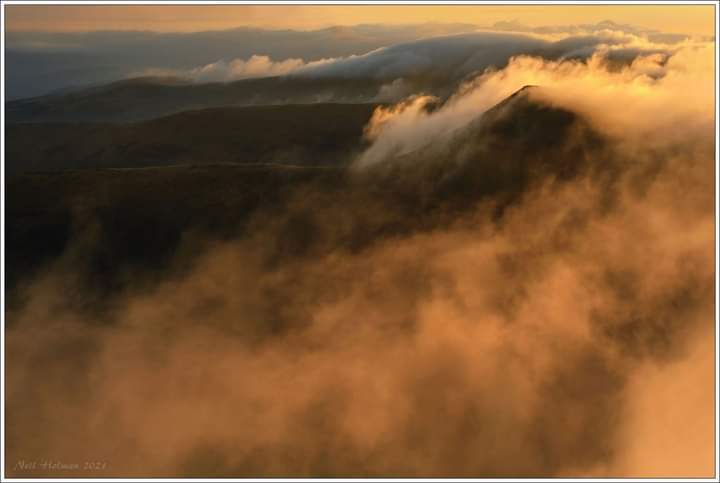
[(692, 19)]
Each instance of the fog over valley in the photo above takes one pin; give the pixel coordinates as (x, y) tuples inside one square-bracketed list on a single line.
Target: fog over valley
[(429, 250)]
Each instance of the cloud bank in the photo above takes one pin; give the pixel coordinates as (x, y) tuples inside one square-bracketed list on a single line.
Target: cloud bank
[(435, 61), (630, 102), (237, 69)]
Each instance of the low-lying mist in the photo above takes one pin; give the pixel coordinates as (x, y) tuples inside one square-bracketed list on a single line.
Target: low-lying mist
[(519, 290)]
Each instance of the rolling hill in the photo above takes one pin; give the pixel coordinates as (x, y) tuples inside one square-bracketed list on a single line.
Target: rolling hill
[(312, 134), (149, 97)]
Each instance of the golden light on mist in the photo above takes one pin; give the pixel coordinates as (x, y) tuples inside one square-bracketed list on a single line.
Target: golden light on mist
[(512, 275)]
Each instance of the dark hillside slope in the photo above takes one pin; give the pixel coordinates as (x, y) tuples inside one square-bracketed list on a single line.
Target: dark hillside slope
[(148, 97), (110, 223), (294, 134)]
